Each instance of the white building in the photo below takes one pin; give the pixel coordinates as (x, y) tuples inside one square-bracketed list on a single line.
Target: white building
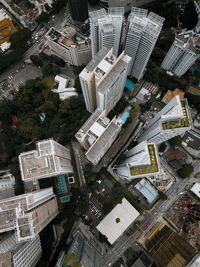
[(118, 221), (48, 160), (25, 254), (183, 53), (97, 135), (7, 182), (106, 29), (196, 189), (141, 161), (69, 46), (142, 34), (174, 119), (28, 214), (64, 91), (103, 80)]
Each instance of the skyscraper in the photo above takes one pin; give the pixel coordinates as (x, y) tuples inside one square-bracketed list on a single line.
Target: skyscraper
[(13, 254), (142, 34), (184, 51), (97, 135), (141, 161), (174, 119), (106, 29), (28, 214), (78, 10), (7, 182), (103, 79), (48, 160)]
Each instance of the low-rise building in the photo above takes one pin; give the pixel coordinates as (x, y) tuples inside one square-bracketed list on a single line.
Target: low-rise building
[(69, 46), (48, 160), (147, 190), (13, 254), (140, 161), (171, 94), (118, 221), (97, 135), (28, 214), (63, 90), (195, 189)]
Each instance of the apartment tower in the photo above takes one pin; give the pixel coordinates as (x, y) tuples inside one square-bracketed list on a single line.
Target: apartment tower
[(142, 34), (106, 29), (48, 160), (183, 53), (174, 119), (103, 79), (27, 214)]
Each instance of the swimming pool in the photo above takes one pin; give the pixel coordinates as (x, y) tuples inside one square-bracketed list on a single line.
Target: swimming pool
[(62, 186), (129, 85), (124, 117)]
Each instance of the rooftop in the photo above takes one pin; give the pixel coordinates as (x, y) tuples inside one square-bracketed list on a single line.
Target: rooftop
[(118, 220), (171, 94), (181, 123), (148, 169), (196, 189), (147, 190)]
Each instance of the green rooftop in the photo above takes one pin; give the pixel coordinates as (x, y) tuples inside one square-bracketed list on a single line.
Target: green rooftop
[(134, 171), (184, 122), (70, 260)]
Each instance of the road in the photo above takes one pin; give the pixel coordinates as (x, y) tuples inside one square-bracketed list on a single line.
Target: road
[(79, 166)]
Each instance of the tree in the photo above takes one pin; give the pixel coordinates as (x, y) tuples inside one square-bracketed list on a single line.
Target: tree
[(189, 18), (185, 171), (36, 60), (19, 39)]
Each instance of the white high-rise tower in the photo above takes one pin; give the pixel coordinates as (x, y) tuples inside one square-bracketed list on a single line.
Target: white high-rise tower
[(103, 79), (142, 34), (174, 119), (106, 29), (184, 51)]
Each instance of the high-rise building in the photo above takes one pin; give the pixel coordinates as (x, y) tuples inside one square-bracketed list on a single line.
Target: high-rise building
[(197, 7), (97, 135), (13, 254), (141, 161), (7, 182), (69, 46), (142, 34), (184, 51), (78, 10), (85, 249), (106, 29), (48, 160), (174, 119), (28, 214), (103, 79)]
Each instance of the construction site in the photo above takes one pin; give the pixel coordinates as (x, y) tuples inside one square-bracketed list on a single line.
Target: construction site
[(184, 215)]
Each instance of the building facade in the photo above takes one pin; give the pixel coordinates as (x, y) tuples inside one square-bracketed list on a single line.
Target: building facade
[(78, 10), (197, 7), (106, 29), (174, 119), (7, 182), (48, 160), (25, 254), (102, 80), (183, 53), (97, 135), (84, 250), (28, 214), (142, 34), (140, 161), (68, 46)]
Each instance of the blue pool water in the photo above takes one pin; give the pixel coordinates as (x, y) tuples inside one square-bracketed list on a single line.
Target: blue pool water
[(125, 116), (62, 184), (129, 85)]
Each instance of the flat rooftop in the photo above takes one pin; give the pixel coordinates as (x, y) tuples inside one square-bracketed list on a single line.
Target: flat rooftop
[(147, 190), (118, 220), (181, 123), (148, 169), (196, 189)]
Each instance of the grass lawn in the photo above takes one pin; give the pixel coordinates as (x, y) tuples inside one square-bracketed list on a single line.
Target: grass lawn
[(194, 91)]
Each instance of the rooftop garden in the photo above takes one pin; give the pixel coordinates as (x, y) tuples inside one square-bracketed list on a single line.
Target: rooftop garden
[(152, 168), (184, 122)]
